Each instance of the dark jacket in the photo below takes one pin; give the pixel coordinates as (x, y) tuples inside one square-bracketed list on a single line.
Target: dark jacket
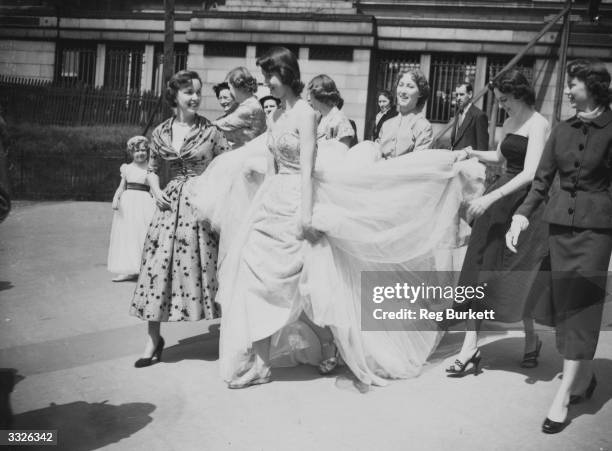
[(377, 126), (474, 131), (581, 153)]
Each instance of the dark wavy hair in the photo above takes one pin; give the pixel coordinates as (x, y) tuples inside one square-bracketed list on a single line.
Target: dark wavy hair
[(220, 87), (324, 89), (595, 76), (388, 95), (241, 78), (515, 83), (178, 81), (421, 82), (282, 62)]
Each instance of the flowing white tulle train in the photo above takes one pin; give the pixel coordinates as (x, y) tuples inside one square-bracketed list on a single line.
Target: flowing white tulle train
[(401, 214)]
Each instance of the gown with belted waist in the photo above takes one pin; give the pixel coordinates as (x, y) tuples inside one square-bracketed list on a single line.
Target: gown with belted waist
[(177, 280)]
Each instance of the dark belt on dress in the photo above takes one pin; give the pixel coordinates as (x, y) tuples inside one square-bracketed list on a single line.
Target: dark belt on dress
[(138, 186)]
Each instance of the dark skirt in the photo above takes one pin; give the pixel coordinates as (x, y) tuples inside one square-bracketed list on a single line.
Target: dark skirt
[(510, 278), (178, 276), (579, 263)]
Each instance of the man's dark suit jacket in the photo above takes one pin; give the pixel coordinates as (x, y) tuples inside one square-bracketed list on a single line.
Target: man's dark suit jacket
[(474, 131)]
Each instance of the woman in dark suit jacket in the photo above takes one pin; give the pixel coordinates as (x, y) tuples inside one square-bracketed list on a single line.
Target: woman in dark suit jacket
[(387, 110), (580, 228)]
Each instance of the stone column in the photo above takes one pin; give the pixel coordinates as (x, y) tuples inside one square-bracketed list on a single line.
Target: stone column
[(100, 64)]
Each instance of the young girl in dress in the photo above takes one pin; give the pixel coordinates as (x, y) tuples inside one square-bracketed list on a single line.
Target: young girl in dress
[(134, 209)]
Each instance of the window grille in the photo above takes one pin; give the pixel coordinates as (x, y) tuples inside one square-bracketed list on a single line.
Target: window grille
[(180, 63), (77, 64), (391, 65), (447, 72), (225, 49), (123, 69), (330, 53)]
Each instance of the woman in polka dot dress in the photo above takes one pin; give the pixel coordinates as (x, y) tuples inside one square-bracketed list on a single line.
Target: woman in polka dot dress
[(177, 280)]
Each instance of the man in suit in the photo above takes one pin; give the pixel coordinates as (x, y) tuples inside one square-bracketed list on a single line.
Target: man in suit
[(471, 126)]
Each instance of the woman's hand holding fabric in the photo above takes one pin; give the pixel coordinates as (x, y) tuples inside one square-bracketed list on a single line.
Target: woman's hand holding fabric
[(478, 206), (309, 233)]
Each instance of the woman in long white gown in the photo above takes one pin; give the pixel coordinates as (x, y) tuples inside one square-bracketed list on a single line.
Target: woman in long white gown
[(395, 215)]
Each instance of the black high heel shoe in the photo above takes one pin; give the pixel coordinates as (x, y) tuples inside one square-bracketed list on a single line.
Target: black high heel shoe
[(329, 364), (552, 427), (530, 359), (157, 354), (588, 393), (459, 367)]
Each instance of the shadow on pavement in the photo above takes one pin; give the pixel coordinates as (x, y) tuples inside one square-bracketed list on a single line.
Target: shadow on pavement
[(8, 379), (601, 395), (6, 285), (344, 378), (450, 345), (199, 347), (85, 426), (506, 355)]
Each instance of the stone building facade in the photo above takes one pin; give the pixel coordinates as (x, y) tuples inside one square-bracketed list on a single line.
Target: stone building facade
[(362, 45)]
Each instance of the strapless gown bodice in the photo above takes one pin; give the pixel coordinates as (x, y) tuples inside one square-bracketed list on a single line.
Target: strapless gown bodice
[(514, 149)]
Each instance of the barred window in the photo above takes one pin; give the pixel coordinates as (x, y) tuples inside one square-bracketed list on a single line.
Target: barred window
[(225, 49), (261, 49), (180, 63), (123, 69), (494, 65), (447, 72), (330, 53), (77, 64), (391, 65)]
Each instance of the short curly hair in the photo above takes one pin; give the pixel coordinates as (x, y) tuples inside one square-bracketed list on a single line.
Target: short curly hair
[(595, 76), (133, 144), (282, 62), (178, 81), (515, 83), (421, 82), (241, 78), (324, 89)]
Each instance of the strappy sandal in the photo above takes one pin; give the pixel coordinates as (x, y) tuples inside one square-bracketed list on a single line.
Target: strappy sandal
[(458, 369), (329, 364)]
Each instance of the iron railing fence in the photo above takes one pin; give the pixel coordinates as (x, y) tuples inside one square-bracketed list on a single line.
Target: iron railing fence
[(43, 102)]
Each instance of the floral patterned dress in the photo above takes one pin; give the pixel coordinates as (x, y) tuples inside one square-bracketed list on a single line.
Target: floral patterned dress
[(177, 280)]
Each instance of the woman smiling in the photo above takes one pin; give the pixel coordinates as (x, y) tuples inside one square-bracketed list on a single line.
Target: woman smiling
[(409, 131)]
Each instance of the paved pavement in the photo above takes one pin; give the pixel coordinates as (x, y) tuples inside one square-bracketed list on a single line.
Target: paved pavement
[(66, 331)]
